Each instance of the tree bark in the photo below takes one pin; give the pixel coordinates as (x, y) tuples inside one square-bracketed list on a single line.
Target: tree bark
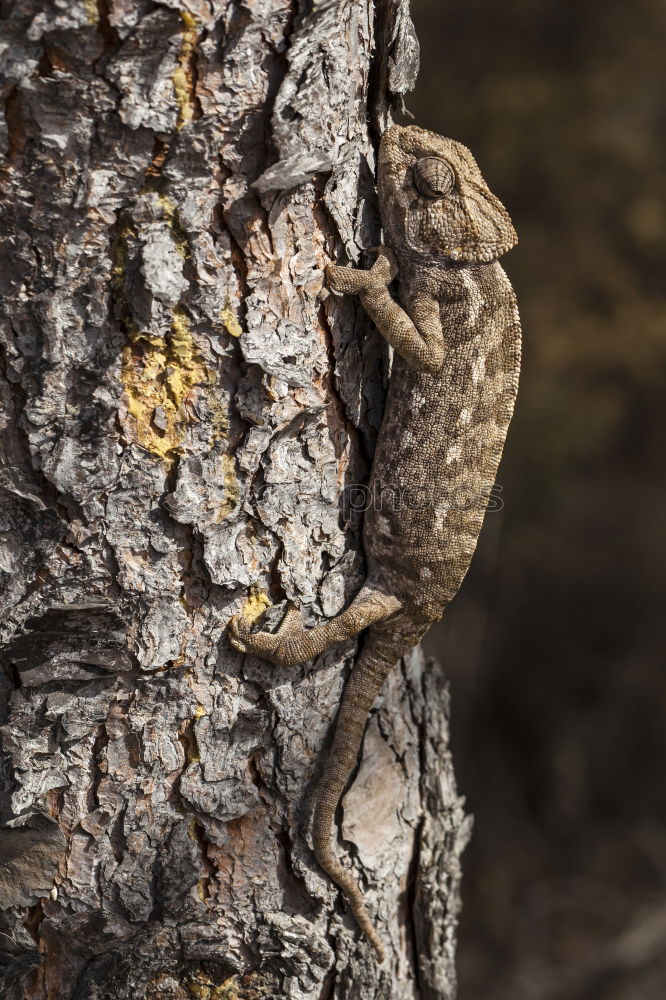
[(183, 409)]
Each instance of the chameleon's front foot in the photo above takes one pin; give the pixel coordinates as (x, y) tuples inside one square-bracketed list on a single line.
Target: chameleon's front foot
[(352, 281), (277, 647)]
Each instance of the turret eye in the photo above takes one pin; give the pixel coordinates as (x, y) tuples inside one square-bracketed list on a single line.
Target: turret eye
[(433, 178)]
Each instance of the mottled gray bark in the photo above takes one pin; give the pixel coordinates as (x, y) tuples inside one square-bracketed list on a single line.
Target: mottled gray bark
[(182, 408)]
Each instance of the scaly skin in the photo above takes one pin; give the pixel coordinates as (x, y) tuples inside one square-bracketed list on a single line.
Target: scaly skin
[(456, 337)]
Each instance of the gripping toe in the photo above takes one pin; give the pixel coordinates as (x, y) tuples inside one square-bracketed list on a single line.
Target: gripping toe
[(347, 280), (239, 632)]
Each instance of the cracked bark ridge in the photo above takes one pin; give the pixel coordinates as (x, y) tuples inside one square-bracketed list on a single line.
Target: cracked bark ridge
[(181, 409)]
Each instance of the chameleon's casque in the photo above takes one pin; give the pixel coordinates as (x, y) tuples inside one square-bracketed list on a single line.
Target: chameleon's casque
[(465, 222), (456, 338)]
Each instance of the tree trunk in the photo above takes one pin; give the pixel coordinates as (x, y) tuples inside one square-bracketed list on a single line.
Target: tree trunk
[(183, 412)]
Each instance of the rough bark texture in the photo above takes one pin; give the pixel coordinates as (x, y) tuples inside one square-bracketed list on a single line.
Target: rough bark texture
[(181, 411)]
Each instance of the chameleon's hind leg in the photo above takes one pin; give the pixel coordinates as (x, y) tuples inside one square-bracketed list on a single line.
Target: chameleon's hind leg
[(292, 643)]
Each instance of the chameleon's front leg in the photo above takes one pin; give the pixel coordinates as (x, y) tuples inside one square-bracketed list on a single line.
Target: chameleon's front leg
[(292, 643), (418, 338)]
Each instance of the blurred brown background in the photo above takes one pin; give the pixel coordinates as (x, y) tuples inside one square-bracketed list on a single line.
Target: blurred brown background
[(555, 644)]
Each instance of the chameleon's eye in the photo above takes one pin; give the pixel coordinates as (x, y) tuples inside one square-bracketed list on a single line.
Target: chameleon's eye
[(433, 178)]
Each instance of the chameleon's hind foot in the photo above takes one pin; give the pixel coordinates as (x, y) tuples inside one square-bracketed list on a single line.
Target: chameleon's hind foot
[(271, 646), (292, 643), (351, 280)]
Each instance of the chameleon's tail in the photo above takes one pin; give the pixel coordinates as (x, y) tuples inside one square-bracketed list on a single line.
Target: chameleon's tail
[(379, 655)]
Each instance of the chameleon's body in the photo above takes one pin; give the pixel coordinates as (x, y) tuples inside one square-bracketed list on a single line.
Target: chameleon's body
[(453, 385)]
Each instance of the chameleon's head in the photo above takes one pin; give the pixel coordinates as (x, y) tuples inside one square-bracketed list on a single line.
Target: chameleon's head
[(435, 201)]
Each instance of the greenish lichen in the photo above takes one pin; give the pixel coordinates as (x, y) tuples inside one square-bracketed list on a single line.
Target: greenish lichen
[(159, 374), (182, 76), (256, 603)]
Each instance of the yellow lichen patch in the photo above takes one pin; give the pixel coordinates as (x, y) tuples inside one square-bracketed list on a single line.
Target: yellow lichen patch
[(231, 487), (182, 77), (256, 603), (159, 374), (92, 11), (229, 990), (231, 323), (202, 987)]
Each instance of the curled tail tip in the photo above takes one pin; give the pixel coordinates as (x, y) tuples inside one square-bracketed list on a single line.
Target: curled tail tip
[(376, 943), (364, 922), (351, 893)]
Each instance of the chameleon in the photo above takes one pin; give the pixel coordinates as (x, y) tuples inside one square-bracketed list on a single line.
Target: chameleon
[(456, 338)]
